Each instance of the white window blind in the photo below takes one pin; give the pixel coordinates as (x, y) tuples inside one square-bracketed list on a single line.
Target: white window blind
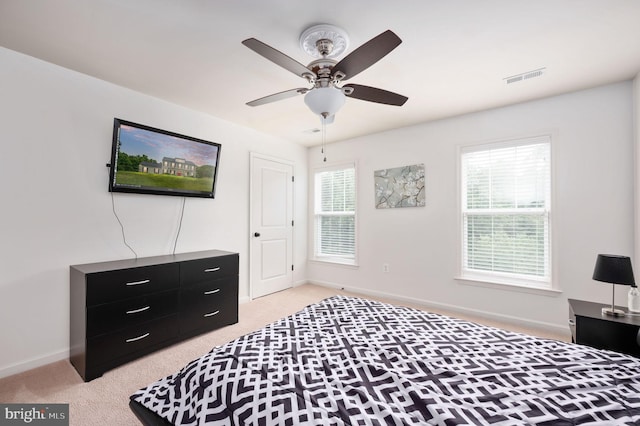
[(506, 193), (335, 214)]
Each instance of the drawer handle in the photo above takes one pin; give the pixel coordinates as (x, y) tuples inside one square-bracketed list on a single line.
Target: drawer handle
[(572, 323), (210, 314), (138, 282), (134, 339), (212, 269), (135, 311), (212, 291)]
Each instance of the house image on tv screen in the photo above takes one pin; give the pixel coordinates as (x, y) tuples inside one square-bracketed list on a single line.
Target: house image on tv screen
[(169, 166)]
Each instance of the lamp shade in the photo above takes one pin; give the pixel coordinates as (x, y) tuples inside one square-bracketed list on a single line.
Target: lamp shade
[(325, 100), (614, 269)]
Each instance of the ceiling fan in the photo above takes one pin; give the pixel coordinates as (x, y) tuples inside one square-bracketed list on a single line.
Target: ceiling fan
[(326, 75)]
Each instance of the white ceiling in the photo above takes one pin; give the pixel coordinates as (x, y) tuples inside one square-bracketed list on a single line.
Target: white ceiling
[(453, 60)]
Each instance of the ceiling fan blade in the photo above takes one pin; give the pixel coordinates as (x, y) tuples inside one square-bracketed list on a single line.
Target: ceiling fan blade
[(277, 57), (278, 96), (372, 94), (367, 54)]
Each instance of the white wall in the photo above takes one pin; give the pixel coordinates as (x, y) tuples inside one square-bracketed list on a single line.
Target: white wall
[(636, 144), (592, 150), (55, 133)]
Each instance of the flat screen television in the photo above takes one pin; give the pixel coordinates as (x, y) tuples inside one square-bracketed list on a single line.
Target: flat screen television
[(147, 160)]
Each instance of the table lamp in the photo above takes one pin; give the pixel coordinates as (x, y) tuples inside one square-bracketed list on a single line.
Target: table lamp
[(615, 270)]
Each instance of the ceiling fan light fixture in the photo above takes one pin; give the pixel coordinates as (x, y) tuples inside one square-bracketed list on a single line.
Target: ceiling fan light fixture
[(325, 101)]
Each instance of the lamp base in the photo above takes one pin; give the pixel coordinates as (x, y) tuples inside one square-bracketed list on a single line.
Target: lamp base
[(613, 312)]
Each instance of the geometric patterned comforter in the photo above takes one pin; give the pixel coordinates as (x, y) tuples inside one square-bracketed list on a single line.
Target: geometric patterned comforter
[(353, 361)]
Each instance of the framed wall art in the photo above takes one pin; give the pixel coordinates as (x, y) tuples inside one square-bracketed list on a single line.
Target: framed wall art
[(399, 187)]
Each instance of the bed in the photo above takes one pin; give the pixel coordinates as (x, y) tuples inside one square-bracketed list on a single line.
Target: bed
[(354, 361)]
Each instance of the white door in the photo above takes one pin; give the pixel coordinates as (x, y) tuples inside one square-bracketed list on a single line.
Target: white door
[(271, 248)]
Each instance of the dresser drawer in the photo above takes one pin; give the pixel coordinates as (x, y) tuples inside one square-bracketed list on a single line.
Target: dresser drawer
[(208, 269), (113, 316), (209, 304), (105, 287), (139, 339), (609, 335)]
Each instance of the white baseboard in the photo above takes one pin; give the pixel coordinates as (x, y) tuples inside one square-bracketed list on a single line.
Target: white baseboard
[(300, 282), (539, 325), (32, 363)]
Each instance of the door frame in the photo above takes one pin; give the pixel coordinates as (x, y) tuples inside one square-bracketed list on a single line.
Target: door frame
[(252, 156)]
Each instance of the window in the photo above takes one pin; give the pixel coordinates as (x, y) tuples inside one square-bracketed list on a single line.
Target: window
[(506, 193), (335, 214)]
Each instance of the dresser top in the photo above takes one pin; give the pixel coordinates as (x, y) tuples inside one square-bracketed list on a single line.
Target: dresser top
[(89, 268), (583, 308)]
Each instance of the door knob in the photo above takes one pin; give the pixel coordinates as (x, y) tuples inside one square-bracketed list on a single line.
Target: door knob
[(256, 234)]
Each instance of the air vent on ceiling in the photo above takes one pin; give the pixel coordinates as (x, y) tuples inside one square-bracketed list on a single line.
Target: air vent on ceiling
[(514, 79), (524, 76)]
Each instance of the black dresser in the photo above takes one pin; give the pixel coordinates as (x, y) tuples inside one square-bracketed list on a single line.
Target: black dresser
[(124, 309)]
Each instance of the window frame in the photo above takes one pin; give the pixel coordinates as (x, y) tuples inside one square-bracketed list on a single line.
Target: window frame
[(496, 279), (315, 200)]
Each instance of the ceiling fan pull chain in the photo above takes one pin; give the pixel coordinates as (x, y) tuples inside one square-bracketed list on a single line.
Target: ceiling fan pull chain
[(323, 119)]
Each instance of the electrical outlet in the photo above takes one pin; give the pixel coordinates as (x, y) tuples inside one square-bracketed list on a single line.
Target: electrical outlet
[(385, 268)]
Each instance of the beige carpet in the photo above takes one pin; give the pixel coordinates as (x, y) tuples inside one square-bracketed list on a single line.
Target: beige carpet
[(104, 401)]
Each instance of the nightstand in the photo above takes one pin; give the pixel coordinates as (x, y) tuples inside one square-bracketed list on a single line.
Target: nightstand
[(590, 327)]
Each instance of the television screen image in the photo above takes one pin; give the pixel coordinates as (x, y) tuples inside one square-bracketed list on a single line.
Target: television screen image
[(152, 161)]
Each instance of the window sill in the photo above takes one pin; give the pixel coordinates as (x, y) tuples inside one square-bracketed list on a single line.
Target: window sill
[(335, 262), (509, 286)]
